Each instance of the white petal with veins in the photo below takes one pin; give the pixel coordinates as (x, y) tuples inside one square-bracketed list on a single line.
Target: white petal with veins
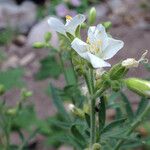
[(57, 25)]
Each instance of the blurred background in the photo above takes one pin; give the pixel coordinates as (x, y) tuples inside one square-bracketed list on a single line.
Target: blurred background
[(23, 22)]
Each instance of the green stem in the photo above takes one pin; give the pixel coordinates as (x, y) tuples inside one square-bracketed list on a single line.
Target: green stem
[(7, 132), (134, 125), (90, 83), (93, 127), (98, 93), (63, 68), (73, 67)]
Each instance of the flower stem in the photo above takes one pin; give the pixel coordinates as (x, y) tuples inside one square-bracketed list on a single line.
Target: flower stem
[(90, 84), (134, 125), (74, 73), (63, 68)]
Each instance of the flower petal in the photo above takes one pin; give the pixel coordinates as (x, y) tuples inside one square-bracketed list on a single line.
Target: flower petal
[(74, 23), (113, 47), (102, 34), (57, 25), (91, 37), (81, 48), (96, 61), (98, 34)]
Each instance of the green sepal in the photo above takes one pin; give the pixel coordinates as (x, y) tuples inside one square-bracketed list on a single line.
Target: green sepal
[(70, 36), (117, 72)]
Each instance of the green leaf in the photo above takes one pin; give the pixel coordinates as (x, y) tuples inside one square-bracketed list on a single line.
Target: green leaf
[(26, 118), (11, 78), (71, 76), (56, 139), (118, 113), (6, 36), (75, 132), (141, 107), (61, 124), (59, 104), (102, 113), (49, 68), (87, 118), (128, 107), (73, 93), (114, 124), (73, 142), (133, 144)]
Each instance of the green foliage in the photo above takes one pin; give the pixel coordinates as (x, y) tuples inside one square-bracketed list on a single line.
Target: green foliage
[(58, 103), (49, 68), (128, 108), (19, 119), (2, 55), (6, 36), (84, 125), (110, 132), (11, 78), (102, 113)]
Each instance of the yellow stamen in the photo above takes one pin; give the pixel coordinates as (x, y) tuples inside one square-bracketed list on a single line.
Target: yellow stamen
[(95, 47), (99, 42), (87, 40), (68, 17)]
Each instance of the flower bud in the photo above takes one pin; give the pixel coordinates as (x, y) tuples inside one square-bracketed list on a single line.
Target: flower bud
[(47, 37), (117, 72), (83, 25), (26, 94), (2, 89), (107, 25), (96, 146), (12, 111), (139, 86), (78, 63), (76, 111), (38, 45), (92, 16), (86, 108), (130, 63)]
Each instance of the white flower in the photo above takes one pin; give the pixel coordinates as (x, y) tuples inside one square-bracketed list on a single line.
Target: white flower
[(71, 107), (131, 62), (98, 47), (70, 26)]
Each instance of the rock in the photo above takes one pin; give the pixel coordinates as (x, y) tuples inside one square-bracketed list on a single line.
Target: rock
[(27, 59), (142, 25), (20, 40), (101, 10), (6, 1), (19, 17), (37, 33), (12, 61), (118, 7)]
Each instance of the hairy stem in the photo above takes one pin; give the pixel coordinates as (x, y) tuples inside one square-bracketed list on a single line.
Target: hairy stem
[(63, 68), (90, 84)]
